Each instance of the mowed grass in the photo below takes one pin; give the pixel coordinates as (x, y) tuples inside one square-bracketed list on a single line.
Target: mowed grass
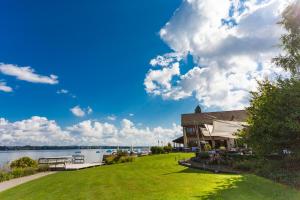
[(151, 177)]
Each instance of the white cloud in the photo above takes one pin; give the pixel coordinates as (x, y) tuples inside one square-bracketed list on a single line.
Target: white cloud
[(131, 114), (27, 74), (89, 110), (33, 131), (65, 92), (4, 87), (77, 111), (41, 131), (62, 91), (81, 112), (228, 59), (112, 117)]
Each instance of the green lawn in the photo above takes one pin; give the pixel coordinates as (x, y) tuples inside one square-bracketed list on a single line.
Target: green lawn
[(151, 177)]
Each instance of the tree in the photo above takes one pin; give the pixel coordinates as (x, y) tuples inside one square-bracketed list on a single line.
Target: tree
[(274, 116), (290, 42), (198, 109), (274, 112)]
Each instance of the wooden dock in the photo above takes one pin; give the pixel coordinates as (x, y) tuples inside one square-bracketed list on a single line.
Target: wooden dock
[(67, 163), (81, 166)]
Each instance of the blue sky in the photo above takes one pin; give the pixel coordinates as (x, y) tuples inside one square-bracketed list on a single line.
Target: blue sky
[(121, 72), (100, 52)]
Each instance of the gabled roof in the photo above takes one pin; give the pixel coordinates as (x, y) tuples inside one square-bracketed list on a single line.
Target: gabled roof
[(209, 117)]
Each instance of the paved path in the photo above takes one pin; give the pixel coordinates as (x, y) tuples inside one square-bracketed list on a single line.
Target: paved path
[(17, 181)]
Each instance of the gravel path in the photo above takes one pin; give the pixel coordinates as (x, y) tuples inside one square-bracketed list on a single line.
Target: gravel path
[(17, 181)]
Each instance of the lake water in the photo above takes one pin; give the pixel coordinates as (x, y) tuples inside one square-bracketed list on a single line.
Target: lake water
[(90, 155)]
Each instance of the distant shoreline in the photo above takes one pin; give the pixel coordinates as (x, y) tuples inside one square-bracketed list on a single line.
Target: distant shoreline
[(16, 148)]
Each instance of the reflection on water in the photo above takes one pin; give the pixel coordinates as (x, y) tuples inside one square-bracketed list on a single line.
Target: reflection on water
[(91, 155)]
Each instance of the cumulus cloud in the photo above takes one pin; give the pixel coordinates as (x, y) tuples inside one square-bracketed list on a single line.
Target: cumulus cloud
[(4, 87), (77, 111), (33, 131), (27, 74), (111, 117), (231, 42), (42, 131)]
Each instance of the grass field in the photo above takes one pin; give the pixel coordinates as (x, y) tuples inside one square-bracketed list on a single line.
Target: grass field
[(151, 177)]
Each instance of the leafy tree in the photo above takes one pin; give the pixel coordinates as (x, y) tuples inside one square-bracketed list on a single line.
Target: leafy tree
[(274, 112), (274, 116), (290, 42), (198, 109)]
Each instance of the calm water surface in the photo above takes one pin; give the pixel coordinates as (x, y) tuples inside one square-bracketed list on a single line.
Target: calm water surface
[(89, 154)]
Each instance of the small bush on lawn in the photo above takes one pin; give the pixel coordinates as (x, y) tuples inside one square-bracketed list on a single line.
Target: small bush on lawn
[(157, 150), (17, 172), (124, 159), (5, 176), (122, 153), (29, 171), (23, 162), (43, 168), (114, 159)]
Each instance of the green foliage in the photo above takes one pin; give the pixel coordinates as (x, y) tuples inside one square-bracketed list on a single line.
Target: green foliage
[(168, 148), (122, 153), (5, 176), (222, 148), (43, 168), (207, 147), (274, 115), (157, 150), (17, 172), (114, 159), (202, 155), (23, 162), (290, 42), (198, 109)]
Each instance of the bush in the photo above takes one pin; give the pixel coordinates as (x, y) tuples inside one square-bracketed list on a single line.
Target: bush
[(29, 171), (17, 172), (207, 147), (122, 153), (43, 168), (5, 176), (202, 155), (157, 150), (167, 149), (114, 159), (23, 162), (124, 159), (222, 148)]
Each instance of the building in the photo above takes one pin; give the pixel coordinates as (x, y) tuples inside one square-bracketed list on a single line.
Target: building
[(215, 128)]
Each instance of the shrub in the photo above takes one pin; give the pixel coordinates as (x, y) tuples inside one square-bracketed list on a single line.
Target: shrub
[(114, 159), (222, 148), (29, 171), (5, 176), (23, 162), (122, 153), (43, 168), (17, 172), (168, 149), (110, 159), (207, 147), (157, 150), (203, 155), (124, 159)]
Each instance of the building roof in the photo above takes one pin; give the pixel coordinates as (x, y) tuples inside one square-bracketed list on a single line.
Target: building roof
[(209, 117)]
